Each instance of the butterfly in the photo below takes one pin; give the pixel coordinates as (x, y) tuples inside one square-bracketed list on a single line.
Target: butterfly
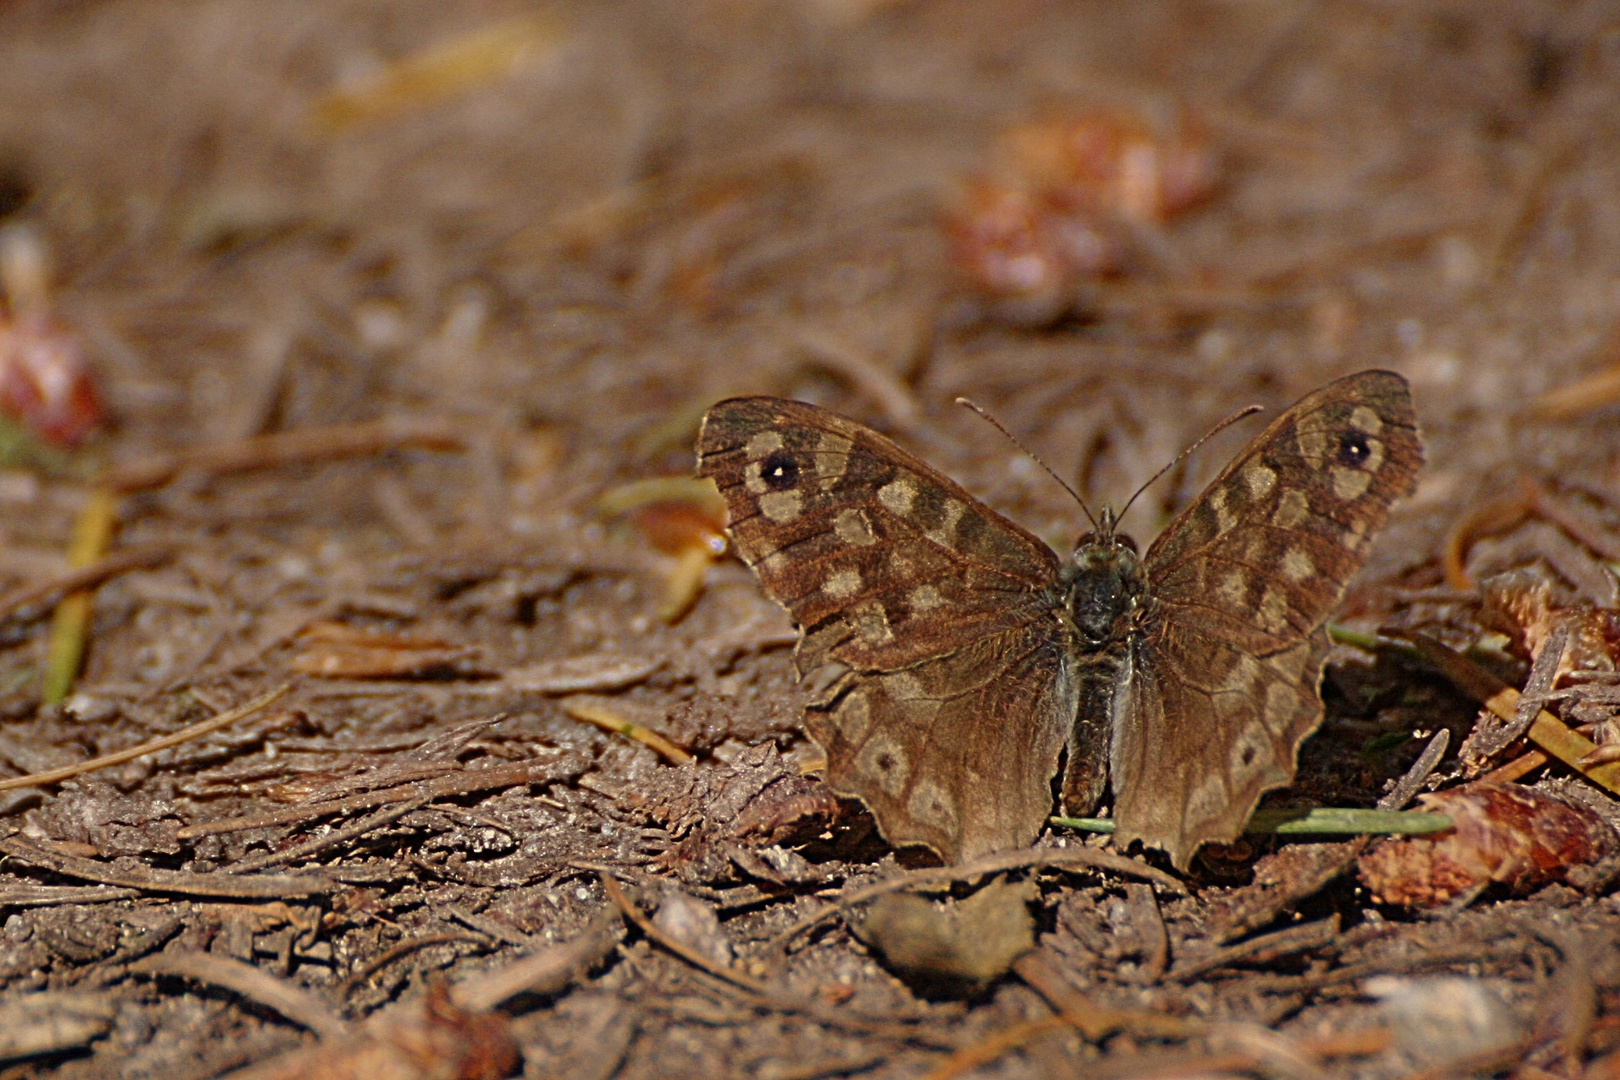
[(955, 661)]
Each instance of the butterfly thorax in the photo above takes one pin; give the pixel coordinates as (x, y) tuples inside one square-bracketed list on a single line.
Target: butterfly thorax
[(1104, 586)]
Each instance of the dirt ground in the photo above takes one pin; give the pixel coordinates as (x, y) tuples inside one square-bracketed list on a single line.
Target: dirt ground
[(499, 259)]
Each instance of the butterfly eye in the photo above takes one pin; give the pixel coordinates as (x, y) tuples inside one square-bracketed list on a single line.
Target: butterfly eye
[(1354, 449), (779, 471)]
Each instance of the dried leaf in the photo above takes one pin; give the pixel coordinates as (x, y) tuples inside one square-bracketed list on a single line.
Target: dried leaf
[(1504, 833)]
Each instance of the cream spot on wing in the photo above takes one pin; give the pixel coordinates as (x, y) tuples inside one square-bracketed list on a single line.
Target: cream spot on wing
[(1206, 801), (1225, 519), (1311, 436), (854, 716), (1260, 480), (764, 444), (831, 459), (752, 479), (1349, 483), (872, 623), (1365, 419), (902, 686), (1291, 664), (945, 531), (842, 584), (900, 563), (932, 805), (897, 495), (1297, 565), (1282, 705), (1242, 677), (1293, 510), (1234, 589), (883, 760), (1273, 611), (924, 598), (1355, 535), (853, 527), (781, 506)]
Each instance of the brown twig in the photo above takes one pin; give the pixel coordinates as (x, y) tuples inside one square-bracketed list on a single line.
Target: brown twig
[(1470, 953), (1407, 787), (1494, 517), (323, 843), (147, 879), (290, 1001), (26, 602), (1149, 923), (403, 948), (757, 992), (1093, 1020), (289, 448), (152, 746), (1000, 862), (547, 971), (462, 782), (1266, 947), (53, 895), (615, 893), (994, 1046)]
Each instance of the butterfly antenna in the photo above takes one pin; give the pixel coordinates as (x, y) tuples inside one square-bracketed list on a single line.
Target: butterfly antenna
[(1033, 456), (1248, 410)]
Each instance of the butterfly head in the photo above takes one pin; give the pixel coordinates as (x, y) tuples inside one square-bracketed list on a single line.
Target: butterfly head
[(1105, 586)]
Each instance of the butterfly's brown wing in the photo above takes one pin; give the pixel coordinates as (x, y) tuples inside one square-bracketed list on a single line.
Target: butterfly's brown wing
[(927, 617), (1224, 679)]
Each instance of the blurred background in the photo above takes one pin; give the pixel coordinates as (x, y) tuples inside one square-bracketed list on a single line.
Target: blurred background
[(577, 224)]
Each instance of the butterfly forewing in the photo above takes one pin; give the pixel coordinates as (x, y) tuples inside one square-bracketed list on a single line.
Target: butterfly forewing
[(876, 555), (1225, 674)]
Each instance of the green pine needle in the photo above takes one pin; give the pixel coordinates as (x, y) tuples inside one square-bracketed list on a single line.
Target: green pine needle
[(1333, 820)]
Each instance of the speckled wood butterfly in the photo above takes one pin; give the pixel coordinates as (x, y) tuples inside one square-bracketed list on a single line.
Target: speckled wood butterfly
[(954, 656)]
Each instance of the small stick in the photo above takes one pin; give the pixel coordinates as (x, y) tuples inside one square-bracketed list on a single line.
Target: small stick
[(1284, 942), (549, 970), (22, 602), (1404, 791), (260, 887), (291, 1001), (592, 711), (1000, 862), (1149, 923), (289, 448), (403, 948), (1536, 688), (330, 840), (1093, 1020), (195, 731), (760, 994), (615, 893), (463, 782)]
